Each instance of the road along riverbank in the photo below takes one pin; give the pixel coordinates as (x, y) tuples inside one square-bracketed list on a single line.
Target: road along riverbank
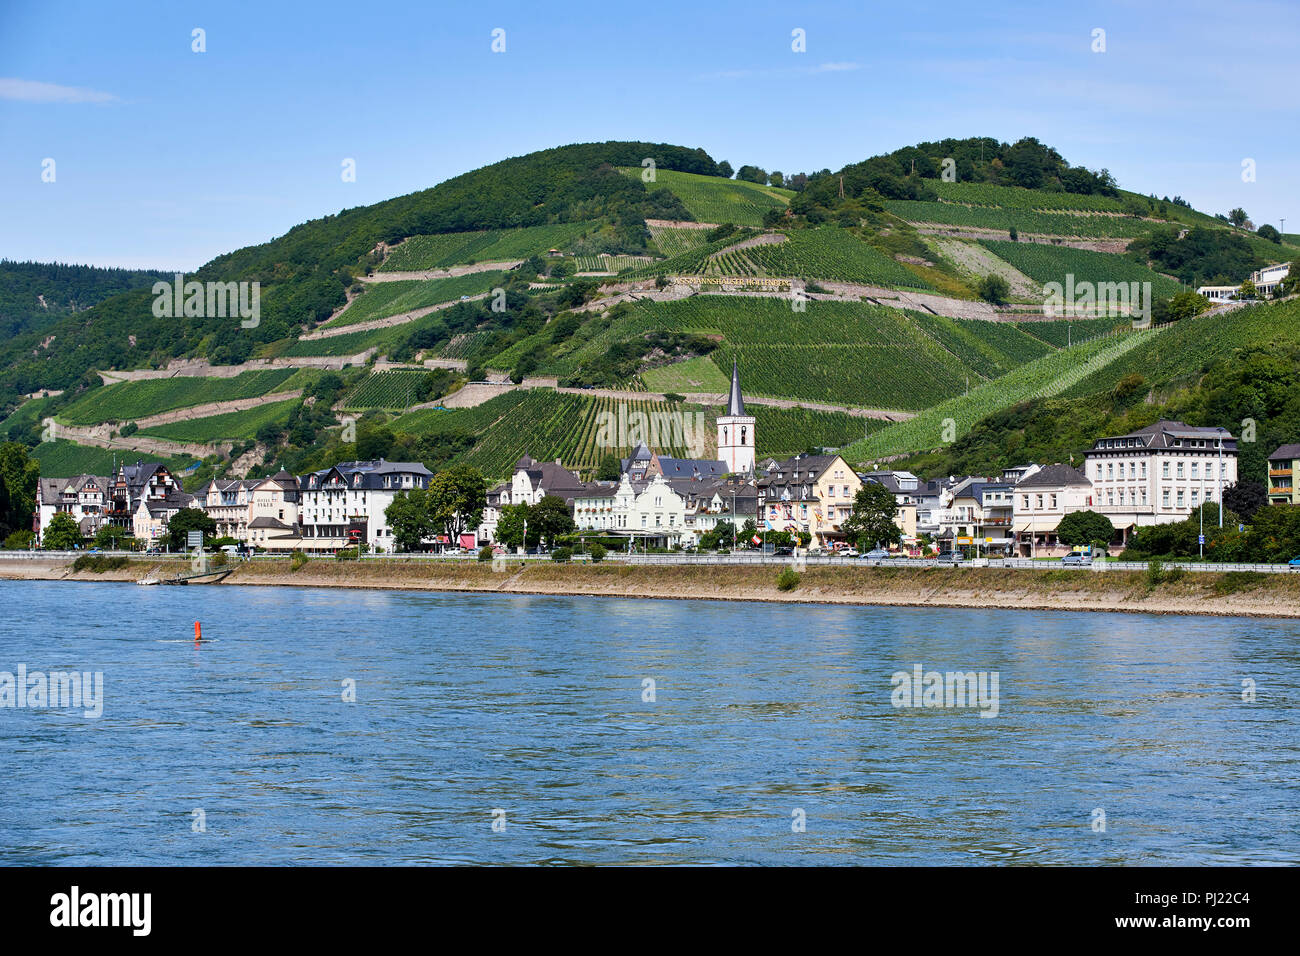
[(1245, 593)]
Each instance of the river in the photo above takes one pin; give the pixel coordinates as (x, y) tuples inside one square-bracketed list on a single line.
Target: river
[(526, 729)]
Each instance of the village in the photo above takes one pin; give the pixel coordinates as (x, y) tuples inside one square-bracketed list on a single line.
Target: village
[(1160, 474)]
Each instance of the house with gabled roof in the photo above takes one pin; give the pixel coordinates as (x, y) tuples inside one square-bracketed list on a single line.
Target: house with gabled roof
[(344, 504), (810, 494), (84, 497), (1042, 498)]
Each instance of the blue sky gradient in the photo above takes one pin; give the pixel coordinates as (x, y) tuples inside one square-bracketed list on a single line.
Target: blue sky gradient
[(165, 157)]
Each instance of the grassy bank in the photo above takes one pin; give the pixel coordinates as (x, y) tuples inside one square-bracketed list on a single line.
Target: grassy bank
[(1232, 593)]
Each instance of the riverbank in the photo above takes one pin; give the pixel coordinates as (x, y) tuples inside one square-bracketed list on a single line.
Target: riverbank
[(1238, 594)]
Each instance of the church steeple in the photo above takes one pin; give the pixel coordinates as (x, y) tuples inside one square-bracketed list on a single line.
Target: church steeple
[(735, 404), (736, 430)]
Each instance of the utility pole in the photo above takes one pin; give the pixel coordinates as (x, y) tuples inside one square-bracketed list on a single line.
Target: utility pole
[(1220, 477)]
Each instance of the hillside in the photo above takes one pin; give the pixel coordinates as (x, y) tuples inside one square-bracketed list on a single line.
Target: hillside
[(576, 286), (35, 295)]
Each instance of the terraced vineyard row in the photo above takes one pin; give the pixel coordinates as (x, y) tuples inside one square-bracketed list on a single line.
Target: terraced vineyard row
[(127, 401), (1017, 197), (544, 424), (443, 250), (610, 263), (65, 459), (831, 253), (675, 242), (1045, 263), (232, 426), (393, 389), (989, 349), (718, 200), (1060, 333), (382, 299), (1027, 221), (1045, 377), (692, 262)]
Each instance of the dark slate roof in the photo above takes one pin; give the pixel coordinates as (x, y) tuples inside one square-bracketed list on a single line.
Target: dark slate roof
[(371, 473), (692, 467), (1285, 452), (1054, 475), (272, 523), (1162, 434), (735, 403)]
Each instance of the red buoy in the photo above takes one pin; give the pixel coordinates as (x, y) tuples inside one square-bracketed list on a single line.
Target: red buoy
[(198, 632)]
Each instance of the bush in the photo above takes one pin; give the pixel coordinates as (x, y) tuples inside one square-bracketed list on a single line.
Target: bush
[(561, 555), (485, 553), (788, 579), (298, 559), (20, 540), (994, 289), (598, 552), (1235, 581), (99, 563), (1155, 572)]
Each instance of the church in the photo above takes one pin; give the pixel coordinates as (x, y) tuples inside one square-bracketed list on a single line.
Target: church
[(735, 447)]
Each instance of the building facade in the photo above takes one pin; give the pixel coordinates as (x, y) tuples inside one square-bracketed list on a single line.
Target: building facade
[(344, 505), (1283, 467), (808, 494)]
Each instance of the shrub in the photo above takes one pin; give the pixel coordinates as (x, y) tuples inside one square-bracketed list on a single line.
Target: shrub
[(98, 563), (561, 555), (19, 540), (1155, 571), (788, 579), (298, 559), (1235, 581), (485, 553), (598, 552)]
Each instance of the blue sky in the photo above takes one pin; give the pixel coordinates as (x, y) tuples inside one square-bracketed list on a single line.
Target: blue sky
[(165, 157)]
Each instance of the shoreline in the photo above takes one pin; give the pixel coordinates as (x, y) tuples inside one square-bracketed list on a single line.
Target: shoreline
[(1273, 596)]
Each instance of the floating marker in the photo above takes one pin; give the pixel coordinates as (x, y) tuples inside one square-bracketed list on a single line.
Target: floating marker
[(198, 632)]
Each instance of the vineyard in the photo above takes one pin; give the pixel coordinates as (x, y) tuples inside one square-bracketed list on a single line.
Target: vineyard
[(1017, 197), (1028, 221), (988, 349), (394, 389), (717, 200), (1045, 377), (444, 250), (65, 459), (382, 299), (693, 375), (834, 254), (126, 401), (610, 263), (1187, 347), (1060, 332), (691, 262), (232, 426), (675, 242), (1045, 264)]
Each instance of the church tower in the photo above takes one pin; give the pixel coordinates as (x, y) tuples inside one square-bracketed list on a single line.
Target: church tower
[(736, 430)]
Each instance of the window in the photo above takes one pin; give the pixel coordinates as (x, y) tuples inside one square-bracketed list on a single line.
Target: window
[(1025, 498), (1144, 496), (1038, 501), (1110, 498), (1195, 466), (1180, 497), (1180, 469), (1144, 469), (1053, 502), (1110, 469), (1164, 471), (1195, 497)]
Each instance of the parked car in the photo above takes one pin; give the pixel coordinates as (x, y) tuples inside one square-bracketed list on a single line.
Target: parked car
[(1294, 563), (876, 554), (784, 552), (850, 552), (1077, 559), (951, 557)]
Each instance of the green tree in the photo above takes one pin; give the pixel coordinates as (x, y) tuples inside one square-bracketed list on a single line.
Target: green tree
[(550, 517), (511, 524), (1247, 290), (1084, 527), (1270, 233), (872, 521), (609, 468), (456, 499), (725, 170), (112, 537), (187, 520), (411, 519), (62, 534), (19, 474), (1238, 217), (752, 174), (995, 289)]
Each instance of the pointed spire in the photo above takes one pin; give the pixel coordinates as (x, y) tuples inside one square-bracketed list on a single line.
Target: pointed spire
[(736, 404)]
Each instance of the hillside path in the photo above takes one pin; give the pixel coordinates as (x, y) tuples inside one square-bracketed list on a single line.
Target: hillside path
[(443, 273)]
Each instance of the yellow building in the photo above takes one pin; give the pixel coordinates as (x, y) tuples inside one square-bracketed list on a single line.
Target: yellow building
[(808, 493)]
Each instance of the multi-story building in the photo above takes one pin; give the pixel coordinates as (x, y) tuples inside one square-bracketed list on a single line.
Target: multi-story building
[(647, 513), (1283, 469), (906, 489), (84, 497), (979, 515), (531, 482), (810, 494), (1159, 474), (1042, 498), (345, 504), (260, 512)]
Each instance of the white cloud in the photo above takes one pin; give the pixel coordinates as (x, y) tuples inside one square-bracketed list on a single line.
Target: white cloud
[(34, 91)]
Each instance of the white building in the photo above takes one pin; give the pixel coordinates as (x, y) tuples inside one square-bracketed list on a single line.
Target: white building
[(531, 482), (85, 497), (260, 512), (345, 504), (1042, 498), (736, 431), (647, 512), (1159, 474)]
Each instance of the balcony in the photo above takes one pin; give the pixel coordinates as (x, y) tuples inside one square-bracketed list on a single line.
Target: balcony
[(1279, 472)]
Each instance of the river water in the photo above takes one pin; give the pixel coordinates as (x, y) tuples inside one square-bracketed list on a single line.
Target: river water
[(522, 729)]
